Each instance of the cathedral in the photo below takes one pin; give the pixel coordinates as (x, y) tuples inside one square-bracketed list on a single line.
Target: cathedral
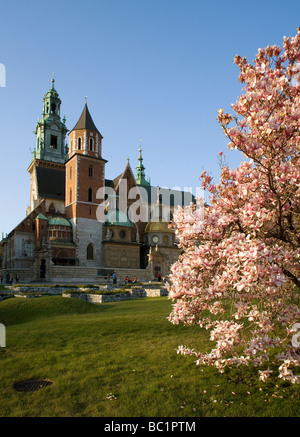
[(81, 227)]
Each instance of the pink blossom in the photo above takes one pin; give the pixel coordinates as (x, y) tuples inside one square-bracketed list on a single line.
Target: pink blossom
[(245, 249)]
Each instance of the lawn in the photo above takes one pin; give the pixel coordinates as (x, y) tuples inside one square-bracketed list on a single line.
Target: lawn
[(119, 360)]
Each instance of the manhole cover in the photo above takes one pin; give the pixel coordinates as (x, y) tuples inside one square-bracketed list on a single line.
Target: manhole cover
[(32, 384)]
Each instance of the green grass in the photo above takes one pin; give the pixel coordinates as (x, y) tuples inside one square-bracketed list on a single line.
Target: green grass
[(126, 349)]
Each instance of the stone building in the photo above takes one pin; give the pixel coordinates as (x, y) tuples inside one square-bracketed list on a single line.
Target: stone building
[(80, 226)]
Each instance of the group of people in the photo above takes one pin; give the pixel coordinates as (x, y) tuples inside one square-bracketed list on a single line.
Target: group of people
[(128, 280), (9, 279)]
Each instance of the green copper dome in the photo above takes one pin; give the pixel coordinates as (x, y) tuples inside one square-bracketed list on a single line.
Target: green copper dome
[(59, 221), (116, 217)]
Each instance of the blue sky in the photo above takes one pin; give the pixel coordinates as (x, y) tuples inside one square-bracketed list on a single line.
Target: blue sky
[(154, 70)]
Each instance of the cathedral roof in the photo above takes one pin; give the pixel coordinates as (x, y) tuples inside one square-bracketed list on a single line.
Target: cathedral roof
[(85, 121), (170, 197), (41, 216)]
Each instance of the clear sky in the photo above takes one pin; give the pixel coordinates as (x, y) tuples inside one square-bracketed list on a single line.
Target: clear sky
[(155, 70)]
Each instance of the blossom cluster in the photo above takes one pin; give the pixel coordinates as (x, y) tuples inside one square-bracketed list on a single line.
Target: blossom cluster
[(246, 248)]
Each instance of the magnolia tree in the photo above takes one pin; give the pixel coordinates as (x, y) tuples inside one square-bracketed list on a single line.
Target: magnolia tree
[(239, 272)]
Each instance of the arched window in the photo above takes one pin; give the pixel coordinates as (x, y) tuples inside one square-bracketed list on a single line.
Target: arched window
[(28, 248), (79, 143), (90, 195), (90, 251), (90, 171), (51, 209), (91, 144), (172, 198), (70, 195), (53, 140)]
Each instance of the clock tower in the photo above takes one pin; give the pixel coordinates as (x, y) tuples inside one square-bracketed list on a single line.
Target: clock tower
[(47, 168), (51, 130)]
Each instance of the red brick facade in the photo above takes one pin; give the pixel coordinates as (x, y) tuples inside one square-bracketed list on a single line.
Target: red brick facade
[(84, 177)]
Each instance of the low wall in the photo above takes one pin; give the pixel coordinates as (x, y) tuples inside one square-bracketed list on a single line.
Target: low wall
[(99, 298), (115, 297), (142, 275), (24, 275), (38, 289), (90, 275), (75, 274)]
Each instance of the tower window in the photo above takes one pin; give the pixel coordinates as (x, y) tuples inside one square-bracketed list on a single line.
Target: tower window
[(79, 143), (91, 144), (70, 172), (53, 108), (90, 251), (90, 195), (90, 171), (70, 195), (53, 143)]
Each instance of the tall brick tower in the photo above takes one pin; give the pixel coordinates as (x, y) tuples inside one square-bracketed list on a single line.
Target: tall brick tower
[(85, 174)]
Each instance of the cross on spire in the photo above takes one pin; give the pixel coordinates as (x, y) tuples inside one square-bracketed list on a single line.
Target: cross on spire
[(140, 175)]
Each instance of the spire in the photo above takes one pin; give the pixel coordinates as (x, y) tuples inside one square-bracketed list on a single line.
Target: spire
[(85, 121), (140, 174), (51, 130), (52, 91)]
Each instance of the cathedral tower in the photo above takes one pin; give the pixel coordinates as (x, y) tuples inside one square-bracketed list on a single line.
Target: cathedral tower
[(51, 130), (47, 169), (85, 174)]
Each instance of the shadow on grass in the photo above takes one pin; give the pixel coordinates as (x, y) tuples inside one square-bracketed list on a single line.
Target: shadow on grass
[(21, 310)]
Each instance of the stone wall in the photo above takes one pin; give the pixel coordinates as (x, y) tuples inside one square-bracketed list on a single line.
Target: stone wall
[(142, 275), (89, 231), (76, 274), (115, 297), (24, 275)]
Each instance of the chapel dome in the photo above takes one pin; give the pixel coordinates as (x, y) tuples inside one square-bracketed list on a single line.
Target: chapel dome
[(116, 217), (155, 225), (59, 221)]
